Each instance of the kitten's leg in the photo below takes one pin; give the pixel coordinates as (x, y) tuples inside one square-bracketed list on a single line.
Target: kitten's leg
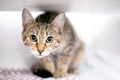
[(45, 64), (62, 66), (35, 68), (73, 68), (48, 64)]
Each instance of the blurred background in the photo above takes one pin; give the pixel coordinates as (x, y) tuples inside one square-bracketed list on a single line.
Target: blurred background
[(99, 6), (97, 22)]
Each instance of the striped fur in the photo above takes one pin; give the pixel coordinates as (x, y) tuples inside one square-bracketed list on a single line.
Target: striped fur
[(60, 56)]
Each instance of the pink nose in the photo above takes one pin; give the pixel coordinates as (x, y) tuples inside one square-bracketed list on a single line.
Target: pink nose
[(40, 51)]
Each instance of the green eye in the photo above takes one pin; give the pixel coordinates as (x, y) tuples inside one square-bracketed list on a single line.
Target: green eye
[(49, 39), (33, 38)]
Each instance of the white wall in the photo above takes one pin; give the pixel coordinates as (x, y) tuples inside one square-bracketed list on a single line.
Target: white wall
[(99, 30), (94, 6), (13, 54)]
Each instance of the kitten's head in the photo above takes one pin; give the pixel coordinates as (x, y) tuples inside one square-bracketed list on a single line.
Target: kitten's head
[(42, 38)]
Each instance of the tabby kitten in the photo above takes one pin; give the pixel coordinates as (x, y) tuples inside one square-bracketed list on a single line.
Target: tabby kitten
[(53, 41)]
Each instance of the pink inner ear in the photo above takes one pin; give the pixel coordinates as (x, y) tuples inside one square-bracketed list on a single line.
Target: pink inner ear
[(27, 18), (59, 22)]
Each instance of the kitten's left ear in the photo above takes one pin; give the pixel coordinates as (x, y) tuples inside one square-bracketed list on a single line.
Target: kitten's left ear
[(27, 18), (58, 22)]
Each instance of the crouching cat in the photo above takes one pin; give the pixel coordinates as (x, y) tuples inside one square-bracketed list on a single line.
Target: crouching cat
[(53, 41)]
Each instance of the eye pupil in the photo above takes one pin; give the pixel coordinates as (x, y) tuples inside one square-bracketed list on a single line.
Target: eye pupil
[(33, 38), (49, 39)]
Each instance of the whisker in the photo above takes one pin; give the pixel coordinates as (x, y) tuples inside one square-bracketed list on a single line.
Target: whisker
[(26, 53)]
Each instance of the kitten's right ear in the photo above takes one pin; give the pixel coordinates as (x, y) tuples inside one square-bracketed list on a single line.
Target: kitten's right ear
[(27, 18), (58, 22)]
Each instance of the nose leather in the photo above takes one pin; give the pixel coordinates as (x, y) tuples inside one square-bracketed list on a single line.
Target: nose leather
[(41, 48), (40, 51)]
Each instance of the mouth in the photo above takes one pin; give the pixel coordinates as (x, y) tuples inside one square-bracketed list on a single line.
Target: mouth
[(39, 54)]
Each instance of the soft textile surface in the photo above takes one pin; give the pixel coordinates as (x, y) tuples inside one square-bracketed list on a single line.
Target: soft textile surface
[(17, 74)]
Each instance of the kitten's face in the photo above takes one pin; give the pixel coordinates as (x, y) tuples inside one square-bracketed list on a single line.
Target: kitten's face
[(41, 38)]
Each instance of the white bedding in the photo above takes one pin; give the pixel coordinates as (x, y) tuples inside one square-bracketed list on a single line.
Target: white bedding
[(23, 74), (102, 65)]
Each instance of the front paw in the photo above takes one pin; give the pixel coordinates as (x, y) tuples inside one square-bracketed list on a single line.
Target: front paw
[(58, 74), (73, 71)]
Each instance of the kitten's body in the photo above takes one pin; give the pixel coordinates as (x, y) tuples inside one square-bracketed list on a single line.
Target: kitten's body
[(65, 51)]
